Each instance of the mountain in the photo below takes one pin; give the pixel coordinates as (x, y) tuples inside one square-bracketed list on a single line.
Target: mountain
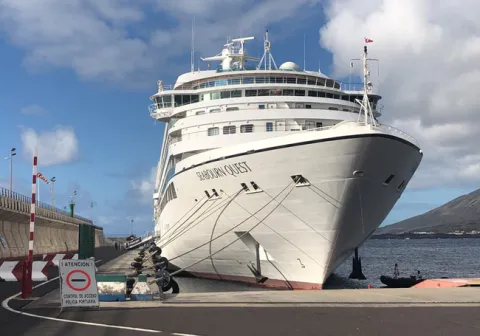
[(460, 214)]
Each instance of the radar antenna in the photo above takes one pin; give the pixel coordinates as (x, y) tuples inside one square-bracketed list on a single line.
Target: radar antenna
[(233, 57), (267, 57)]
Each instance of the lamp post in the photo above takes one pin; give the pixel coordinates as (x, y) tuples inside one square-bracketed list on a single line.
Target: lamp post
[(53, 179), (10, 157), (131, 221)]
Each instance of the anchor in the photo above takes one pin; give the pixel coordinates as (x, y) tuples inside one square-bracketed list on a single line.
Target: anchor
[(257, 272)]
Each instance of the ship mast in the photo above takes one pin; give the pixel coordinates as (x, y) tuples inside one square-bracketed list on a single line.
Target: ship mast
[(367, 87), (267, 57)]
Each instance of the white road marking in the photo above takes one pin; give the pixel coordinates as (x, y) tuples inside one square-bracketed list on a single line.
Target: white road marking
[(7, 300)]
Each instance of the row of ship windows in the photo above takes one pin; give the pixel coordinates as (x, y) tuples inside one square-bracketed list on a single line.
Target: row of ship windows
[(262, 107), (180, 100), (247, 128), (267, 80), (169, 195)]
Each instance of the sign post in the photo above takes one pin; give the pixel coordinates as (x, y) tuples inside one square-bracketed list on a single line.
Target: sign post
[(78, 285)]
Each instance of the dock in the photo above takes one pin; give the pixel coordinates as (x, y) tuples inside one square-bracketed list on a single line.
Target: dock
[(195, 292), (218, 308)]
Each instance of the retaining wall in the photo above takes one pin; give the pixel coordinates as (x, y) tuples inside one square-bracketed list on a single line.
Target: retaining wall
[(55, 231)]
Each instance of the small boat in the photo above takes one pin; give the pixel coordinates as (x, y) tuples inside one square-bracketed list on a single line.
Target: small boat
[(400, 282)]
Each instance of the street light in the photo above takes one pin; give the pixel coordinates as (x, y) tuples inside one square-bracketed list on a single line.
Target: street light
[(132, 226), (53, 179), (10, 157)]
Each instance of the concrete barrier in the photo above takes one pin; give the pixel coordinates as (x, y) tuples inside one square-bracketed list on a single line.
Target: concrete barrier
[(55, 230), (111, 287), (141, 290)]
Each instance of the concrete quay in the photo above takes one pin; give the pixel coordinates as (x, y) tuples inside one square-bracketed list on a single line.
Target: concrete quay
[(219, 308)]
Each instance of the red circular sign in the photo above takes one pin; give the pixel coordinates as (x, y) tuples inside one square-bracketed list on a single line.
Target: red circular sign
[(78, 289)]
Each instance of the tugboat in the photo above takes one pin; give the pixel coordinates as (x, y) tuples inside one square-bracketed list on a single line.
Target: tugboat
[(400, 282)]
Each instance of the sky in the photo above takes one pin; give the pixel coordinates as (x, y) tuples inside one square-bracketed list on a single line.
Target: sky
[(76, 77)]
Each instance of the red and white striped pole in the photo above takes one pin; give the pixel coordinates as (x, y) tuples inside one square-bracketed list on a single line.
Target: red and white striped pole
[(27, 288), (32, 207)]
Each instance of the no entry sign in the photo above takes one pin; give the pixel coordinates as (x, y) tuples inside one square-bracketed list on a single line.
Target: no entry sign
[(78, 286)]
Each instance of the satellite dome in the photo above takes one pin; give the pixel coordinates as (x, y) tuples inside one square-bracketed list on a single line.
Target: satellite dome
[(289, 66)]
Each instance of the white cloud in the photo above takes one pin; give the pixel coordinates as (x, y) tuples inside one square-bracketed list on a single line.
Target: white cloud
[(54, 147), (143, 187), (109, 39), (34, 110), (429, 55)]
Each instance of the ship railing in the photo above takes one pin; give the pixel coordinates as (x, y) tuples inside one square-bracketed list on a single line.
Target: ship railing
[(271, 79), (279, 105), (292, 128), (395, 131)]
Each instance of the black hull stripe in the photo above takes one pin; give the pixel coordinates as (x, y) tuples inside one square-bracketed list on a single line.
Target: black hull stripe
[(355, 136)]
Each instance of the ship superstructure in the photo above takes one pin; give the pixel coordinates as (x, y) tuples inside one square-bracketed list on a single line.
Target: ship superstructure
[(272, 175)]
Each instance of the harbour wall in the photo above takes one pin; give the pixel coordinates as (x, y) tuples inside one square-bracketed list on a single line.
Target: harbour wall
[(55, 230)]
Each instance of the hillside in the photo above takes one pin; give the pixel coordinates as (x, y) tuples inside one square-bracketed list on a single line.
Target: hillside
[(460, 214)]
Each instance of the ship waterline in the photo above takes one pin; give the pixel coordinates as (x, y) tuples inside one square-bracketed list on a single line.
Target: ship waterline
[(293, 231)]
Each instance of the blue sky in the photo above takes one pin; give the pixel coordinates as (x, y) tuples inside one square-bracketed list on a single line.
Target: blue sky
[(77, 78)]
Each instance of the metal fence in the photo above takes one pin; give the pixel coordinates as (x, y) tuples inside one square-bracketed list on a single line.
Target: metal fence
[(25, 199)]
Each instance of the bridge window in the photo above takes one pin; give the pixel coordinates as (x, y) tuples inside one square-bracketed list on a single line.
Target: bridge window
[(246, 128), (229, 129), (264, 92), (225, 94), (312, 93), (299, 92), (235, 94), (250, 93), (287, 92), (301, 81), (269, 126), (212, 131)]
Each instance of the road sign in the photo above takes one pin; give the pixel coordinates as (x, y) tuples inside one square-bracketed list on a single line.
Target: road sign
[(78, 285)]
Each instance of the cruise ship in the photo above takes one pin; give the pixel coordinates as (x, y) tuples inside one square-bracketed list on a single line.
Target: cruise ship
[(272, 175)]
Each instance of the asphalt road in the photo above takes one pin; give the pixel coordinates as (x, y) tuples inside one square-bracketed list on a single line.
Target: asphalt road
[(251, 321), (15, 324)]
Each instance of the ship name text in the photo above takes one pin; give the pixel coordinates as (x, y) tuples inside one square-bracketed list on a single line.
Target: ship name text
[(233, 169)]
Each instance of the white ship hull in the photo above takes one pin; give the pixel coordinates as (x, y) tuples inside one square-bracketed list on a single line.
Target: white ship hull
[(308, 230)]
